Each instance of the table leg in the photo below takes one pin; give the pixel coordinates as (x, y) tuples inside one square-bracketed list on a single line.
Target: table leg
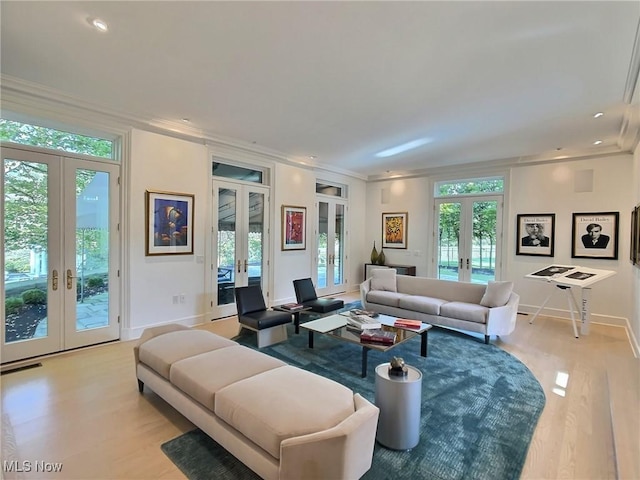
[(585, 311), (310, 338), (423, 343), (365, 354), (296, 321)]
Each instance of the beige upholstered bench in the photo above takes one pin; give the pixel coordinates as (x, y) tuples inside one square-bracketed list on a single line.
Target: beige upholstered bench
[(279, 420)]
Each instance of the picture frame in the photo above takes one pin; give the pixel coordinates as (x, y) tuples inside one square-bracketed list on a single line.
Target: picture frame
[(635, 236), (595, 235), (536, 234), (169, 223), (294, 227), (395, 230)]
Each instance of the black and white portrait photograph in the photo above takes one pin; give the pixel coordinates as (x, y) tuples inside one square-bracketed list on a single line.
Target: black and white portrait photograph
[(595, 235), (535, 234)]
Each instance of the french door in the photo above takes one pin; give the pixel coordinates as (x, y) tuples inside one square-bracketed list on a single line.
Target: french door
[(330, 240), (241, 217), (60, 255), (469, 238)]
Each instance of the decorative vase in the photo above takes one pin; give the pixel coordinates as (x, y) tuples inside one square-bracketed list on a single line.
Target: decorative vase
[(381, 258), (374, 254)]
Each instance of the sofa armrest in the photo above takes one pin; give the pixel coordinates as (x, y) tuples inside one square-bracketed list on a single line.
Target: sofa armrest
[(364, 289), (344, 451), (502, 320), (151, 332)]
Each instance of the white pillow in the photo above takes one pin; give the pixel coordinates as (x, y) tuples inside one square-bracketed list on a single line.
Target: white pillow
[(497, 294), (384, 279)]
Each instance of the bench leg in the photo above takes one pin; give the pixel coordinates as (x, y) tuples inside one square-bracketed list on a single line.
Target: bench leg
[(140, 386), (486, 339)]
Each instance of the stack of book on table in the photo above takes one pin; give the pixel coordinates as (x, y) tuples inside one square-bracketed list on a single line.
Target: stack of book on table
[(407, 323), (292, 306), (357, 322), (378, 336)]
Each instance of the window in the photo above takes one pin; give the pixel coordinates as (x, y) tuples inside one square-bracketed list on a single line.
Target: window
[(27, 134), (468, 225), (469, 187), (235, 172)]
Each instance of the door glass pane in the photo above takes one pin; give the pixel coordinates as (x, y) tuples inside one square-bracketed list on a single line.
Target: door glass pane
[(226, 245), (25, 249), (256, 237), (338, 247), (92, 249), (323, 232), (483, 254), (448, 240)]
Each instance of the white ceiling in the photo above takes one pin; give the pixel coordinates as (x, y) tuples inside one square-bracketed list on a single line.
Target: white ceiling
[(341, 81)]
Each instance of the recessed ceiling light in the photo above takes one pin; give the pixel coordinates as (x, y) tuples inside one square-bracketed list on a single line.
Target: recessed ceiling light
[(186, 120), (403, 148), (312, 157), (598, 115), (99, 24), (597, 142)]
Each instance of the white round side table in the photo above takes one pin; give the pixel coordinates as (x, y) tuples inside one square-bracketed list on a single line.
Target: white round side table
[(399, 401)]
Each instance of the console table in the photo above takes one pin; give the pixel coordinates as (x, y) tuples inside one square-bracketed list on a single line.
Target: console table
[(401, 269)]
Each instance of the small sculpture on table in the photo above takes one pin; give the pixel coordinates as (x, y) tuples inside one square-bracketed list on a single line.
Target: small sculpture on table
[(397, 367)]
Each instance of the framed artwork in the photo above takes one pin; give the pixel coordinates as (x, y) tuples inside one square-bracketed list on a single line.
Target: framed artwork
[(394, 230), (294, 228), (536, 234), (169, 223), (595, 235), (635, 236)]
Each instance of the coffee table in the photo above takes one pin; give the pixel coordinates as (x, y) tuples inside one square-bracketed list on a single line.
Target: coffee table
[(335, 326)]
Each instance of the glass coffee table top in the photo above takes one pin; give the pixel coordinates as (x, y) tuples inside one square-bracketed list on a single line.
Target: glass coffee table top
[(335, 326)]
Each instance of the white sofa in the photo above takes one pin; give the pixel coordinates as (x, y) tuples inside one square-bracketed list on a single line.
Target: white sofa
[(281, 421), (487, 309)]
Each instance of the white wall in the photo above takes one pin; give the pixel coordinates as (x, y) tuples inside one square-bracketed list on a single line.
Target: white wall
[(410, 195), (547, 188), (550, 188), (163, 163), (635, 283), (297, 186)]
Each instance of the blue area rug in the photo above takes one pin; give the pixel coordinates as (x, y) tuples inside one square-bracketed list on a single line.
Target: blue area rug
[(480, 407)]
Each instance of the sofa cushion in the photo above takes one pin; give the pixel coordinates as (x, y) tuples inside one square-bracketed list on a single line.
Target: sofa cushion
[(257, 408), (385, 298), (418, 303), (384, 279), (465, 311), (497, 294), (203, 375), (160, 352)]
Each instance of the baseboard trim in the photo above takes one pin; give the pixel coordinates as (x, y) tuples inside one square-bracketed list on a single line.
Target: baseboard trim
[(596, 318), (135, 333)]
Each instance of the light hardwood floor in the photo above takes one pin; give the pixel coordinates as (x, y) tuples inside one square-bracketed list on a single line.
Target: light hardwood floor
[(83, 408)]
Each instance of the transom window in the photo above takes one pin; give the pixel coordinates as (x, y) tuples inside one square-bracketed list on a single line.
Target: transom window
[(473, 186), (28, 134), (236, 172)]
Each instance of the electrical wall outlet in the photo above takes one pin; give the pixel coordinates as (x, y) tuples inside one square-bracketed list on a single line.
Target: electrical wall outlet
[(182, 298), (175, 299)]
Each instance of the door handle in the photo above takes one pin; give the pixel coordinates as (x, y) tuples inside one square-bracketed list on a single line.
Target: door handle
[(70, 278), (460, 264), (239, 263), (54, 280), (246, 264), (467, 264)]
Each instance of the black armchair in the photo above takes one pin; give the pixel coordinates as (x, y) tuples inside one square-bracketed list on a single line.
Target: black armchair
[(306, 295), (253, 315)]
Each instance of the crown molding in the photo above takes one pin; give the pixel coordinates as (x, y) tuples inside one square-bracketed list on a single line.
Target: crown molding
[(28, 98)]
